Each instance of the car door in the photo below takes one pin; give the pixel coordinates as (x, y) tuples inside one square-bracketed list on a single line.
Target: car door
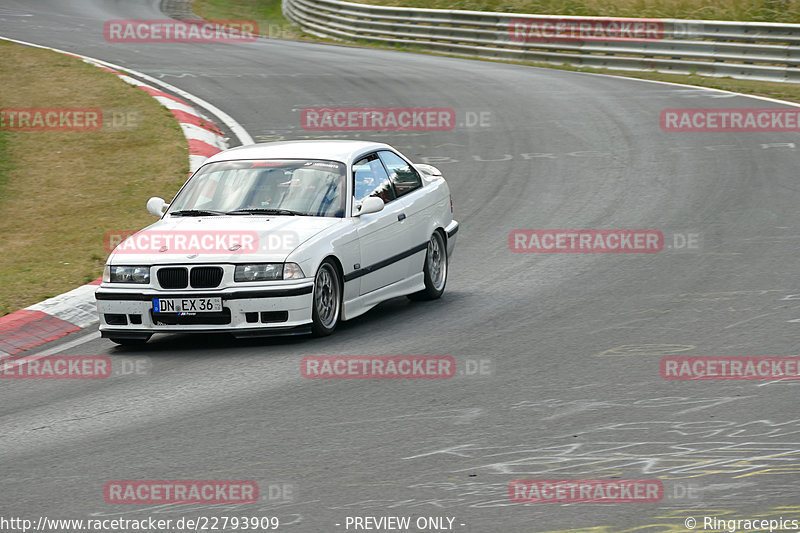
[(382, 237), (417, 208)]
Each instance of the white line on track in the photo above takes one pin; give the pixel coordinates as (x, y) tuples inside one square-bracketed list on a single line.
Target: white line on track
[(70, 344), (792, 381), (748, 320), (697, 87), (51, 351)]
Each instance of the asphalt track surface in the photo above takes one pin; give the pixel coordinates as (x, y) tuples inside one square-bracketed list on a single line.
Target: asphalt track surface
[(573, 340)]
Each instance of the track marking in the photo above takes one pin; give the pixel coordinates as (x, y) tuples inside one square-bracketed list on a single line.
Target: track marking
[(70, 344), (748, 320), (52, 351), (696, 87)]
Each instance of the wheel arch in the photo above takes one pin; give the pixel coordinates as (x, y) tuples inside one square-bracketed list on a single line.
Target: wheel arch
[(339, 268)]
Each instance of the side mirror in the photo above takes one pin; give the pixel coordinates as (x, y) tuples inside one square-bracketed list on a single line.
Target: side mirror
[(370, 204), (156, 206)]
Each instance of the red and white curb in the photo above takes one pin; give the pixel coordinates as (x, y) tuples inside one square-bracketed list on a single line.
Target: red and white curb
[(48, 320), (76, 309)]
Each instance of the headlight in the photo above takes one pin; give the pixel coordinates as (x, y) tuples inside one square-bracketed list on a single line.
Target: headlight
[(127, 274), (258, 272), (268, 272)]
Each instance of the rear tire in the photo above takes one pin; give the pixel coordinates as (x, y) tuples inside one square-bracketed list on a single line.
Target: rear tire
[(326, 301), (435, 270)]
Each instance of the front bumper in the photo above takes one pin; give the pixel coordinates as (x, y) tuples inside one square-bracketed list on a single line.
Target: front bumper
[(283, 309)]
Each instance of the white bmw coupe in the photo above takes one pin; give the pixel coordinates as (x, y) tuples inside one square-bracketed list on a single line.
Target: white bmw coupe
[(280, 239)]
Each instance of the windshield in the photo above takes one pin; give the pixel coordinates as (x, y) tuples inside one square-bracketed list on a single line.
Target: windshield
[(280, 187)]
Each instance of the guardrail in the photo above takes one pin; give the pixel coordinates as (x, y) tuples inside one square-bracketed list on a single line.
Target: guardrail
[(750, 50)]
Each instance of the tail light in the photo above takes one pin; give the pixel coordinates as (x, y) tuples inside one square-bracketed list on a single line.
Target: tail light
[(451, 205)]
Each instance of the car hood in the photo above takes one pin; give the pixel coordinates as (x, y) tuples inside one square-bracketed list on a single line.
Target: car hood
[(218, 239)]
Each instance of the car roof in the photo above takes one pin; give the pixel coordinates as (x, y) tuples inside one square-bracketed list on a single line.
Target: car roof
[(337, 150)]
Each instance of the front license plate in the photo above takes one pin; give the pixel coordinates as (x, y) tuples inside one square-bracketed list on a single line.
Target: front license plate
[(187, 305)]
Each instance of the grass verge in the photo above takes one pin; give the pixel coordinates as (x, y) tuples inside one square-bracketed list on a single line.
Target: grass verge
[(61, 191), (5, 162), (267, 13)]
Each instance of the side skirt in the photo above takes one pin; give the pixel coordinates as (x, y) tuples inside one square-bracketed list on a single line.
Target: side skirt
[(362, 304)]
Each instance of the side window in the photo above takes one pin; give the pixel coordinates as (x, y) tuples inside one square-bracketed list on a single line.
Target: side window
[(370, 179), (404, 178)]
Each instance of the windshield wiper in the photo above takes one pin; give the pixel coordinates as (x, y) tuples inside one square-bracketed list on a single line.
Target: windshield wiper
[(266, 211), (195, 213)]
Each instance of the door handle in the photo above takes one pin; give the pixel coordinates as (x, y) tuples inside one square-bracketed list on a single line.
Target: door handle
[(401, 216)]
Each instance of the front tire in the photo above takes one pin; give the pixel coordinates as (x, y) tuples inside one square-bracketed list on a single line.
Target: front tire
[(435, 269), (326, 300)]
